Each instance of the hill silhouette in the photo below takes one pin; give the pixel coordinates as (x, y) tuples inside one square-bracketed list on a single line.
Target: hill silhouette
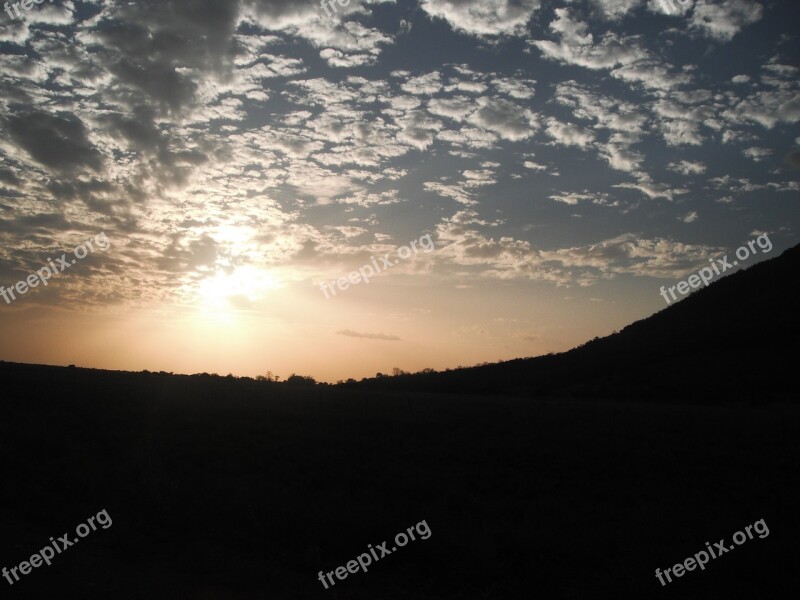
[(723, 342), (234, 488)]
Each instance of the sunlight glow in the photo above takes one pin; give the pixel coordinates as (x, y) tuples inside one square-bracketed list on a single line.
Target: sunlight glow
[(224, 294)]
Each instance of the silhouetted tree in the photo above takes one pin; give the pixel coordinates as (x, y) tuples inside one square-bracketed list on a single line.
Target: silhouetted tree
[(301, 380)]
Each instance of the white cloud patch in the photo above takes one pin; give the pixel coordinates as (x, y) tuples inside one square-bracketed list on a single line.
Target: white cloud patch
[(505, 118), (686, 167), (625, 57), (724, 19), (519, 89), (573, 198), (534, 166), (577, 45), (483, 17), (567, 134), (651, 189), (757, 154), (616, 9)]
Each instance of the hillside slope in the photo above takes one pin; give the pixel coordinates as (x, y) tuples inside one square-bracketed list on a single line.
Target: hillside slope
[(730, 341)]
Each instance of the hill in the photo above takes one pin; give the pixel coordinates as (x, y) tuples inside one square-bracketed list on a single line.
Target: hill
[(730, 341)]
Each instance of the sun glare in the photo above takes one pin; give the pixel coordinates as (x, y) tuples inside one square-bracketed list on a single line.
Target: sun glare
[(225, 294)]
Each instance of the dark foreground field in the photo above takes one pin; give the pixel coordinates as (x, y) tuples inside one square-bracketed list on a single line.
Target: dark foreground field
[(238, 489)]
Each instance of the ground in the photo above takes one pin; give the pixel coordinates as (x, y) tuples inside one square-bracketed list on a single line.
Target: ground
[(236, 489)]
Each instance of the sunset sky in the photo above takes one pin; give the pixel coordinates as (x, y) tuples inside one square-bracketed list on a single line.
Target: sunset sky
[(566, 157)]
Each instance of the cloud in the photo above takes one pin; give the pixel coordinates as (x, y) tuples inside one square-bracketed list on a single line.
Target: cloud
[(424, 84), (757, 154), (418, 129), (483, 17), (463, 192), (59, 142), (456, 108), (632, 254), (651, 189), (519, 89), (534, 166), (577, 46), (463, 244), (616, 9), (369, 336), (505, 118), (619, 155), (773, 99), (723, 20), (686, 167), (573, 198), (604, 110), (567, 134), (211, 135), (625, 57)]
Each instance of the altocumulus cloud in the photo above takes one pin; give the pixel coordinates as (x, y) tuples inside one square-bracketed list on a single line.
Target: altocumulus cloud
[(216, 136)]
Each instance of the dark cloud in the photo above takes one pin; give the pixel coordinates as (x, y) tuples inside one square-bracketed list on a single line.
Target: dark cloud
[(34, 227), (140, 131), (147, 43), (8, 176), (158, 81), (173, 32), (59, 142)]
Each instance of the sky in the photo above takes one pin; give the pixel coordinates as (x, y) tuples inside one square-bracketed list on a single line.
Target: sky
[(554, 163)]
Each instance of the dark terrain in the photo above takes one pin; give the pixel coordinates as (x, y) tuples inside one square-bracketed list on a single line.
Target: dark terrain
[(571, 476)]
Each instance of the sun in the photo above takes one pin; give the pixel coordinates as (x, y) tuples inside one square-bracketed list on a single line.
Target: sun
[(225, 294)]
